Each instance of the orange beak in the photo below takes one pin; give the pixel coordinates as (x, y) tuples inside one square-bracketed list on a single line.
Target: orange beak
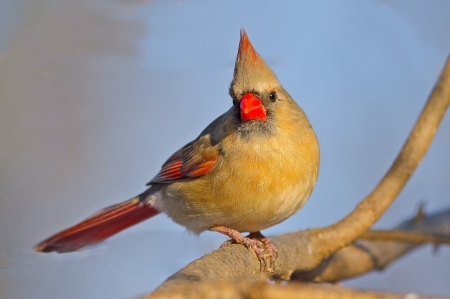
[(252, 108)]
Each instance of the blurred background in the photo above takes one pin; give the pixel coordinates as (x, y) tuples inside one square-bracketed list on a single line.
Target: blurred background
[(95, 95)]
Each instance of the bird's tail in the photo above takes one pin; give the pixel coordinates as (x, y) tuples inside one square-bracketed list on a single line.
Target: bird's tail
[(103, 224)]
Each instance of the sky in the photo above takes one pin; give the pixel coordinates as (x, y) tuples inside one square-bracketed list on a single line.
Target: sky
[(96, 95)]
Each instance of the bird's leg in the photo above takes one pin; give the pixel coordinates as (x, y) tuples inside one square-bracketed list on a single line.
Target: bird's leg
[(255, 241)]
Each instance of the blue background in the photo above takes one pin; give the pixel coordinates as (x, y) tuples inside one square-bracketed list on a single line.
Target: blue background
[(95, 95)]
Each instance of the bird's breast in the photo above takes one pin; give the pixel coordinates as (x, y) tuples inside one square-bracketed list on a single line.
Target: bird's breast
[(253, 185)]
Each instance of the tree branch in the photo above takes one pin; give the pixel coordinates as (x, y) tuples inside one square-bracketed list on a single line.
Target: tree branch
[(304, 251), (364, 256), (370, 209), (263, 290)]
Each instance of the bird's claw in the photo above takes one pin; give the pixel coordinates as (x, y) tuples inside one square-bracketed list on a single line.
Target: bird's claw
[(264, 250)]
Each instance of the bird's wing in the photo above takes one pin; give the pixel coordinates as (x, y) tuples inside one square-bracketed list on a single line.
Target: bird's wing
[(194, 159)]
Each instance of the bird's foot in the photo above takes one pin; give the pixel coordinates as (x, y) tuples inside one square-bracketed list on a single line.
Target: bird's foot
[(271, 249), (264, 250)]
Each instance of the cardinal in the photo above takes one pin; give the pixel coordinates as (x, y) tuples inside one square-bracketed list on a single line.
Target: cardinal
[(251, 168)]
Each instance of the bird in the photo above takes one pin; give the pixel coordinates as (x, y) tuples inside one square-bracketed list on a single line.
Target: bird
[(251, 168)]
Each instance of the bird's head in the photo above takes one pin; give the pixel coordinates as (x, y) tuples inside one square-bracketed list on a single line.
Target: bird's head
[(255, 89)]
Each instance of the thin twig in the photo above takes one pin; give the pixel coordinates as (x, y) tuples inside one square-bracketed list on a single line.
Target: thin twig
[(404, 236), (372, 255)]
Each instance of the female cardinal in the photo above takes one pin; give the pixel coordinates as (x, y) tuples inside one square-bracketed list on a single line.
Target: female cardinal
[(251, 168)]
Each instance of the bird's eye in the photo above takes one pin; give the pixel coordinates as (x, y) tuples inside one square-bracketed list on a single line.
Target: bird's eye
[(273, 96)]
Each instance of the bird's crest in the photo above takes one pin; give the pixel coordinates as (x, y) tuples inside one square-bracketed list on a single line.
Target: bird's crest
[(251, 73)]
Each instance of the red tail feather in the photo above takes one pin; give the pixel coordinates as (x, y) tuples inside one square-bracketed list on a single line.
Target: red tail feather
[(99, 226)]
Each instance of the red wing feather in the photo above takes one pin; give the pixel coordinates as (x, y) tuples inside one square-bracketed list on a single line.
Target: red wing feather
[(200, 169), (185, 163), (170, 172)]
